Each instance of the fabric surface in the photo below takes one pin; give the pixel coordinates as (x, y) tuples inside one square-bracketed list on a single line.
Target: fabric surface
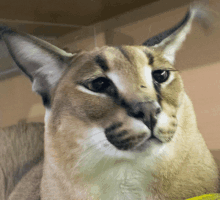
[(28, 187)]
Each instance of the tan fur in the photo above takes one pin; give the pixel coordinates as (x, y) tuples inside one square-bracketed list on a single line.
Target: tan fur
[(21, 149), (136, 139), (185, 168)]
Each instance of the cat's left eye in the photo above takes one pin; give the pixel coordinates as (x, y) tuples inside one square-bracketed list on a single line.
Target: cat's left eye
[(161, 76), (100, 84)]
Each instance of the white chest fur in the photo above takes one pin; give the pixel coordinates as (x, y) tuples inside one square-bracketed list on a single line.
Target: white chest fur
[(113, 174), (122, 182)]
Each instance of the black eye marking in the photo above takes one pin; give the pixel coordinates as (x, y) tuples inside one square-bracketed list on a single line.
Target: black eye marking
[(124, 53), (161, 76), (99, 85), (150, 58), (101, 62), (142, 86)]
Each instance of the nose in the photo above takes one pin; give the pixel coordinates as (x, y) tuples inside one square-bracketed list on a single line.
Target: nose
[(145, 111)]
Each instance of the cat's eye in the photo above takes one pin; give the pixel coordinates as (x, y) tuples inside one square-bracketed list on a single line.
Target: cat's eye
[(160, 76), (100, 84)]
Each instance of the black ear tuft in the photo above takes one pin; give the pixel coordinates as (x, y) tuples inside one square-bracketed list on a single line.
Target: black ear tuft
[(170, 41), (161, 36)]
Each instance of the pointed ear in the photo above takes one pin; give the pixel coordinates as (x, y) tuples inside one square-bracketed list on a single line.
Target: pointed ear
[(170, 41), (42, 62)]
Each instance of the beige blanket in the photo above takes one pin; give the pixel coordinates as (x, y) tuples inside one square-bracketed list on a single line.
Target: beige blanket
[(21, 155)]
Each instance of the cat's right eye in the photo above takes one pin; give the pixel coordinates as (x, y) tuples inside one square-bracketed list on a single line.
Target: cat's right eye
[(161, 76), (100, 85)]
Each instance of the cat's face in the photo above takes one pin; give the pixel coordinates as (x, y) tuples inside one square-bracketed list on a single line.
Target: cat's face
[(123, 99), (116, 99)]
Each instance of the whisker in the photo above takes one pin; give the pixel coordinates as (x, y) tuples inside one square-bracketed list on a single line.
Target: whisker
[(107, 159), (84, 141), (89, 151), (91, 136), (97, 159)]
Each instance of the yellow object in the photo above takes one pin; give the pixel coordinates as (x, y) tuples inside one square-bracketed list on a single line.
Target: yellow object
[(206, 197)]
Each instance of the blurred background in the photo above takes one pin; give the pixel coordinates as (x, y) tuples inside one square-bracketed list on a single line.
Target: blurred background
[(73, 25)]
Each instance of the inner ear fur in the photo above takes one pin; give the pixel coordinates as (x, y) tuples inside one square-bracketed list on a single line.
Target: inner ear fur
[(41, 61)]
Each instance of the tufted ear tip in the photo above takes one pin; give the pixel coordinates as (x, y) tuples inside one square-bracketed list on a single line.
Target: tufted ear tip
[(203, 15), (171, 40)]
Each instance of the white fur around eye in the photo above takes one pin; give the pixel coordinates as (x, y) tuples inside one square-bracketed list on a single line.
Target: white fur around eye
[(116, 80), (85, 90), (148, 76)]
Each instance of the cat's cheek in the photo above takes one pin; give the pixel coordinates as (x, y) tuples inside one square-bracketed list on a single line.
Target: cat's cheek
[(165, 128), (96, 109)]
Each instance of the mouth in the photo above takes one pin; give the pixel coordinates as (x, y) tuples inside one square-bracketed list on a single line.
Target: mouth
[(123, 140), (146, 143)]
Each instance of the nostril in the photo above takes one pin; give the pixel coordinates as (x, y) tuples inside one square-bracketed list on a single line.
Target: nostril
[(138, 114), (145, 111), (158, 110)]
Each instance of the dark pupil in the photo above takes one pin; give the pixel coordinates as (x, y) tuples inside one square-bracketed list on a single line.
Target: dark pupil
[(100, 84), (160, 75)]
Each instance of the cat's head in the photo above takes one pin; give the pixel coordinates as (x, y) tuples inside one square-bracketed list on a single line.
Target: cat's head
[(118, 99)]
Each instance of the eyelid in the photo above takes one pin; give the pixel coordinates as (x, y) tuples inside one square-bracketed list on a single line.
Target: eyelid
[(89, 79), (162, 69), (173, 70)]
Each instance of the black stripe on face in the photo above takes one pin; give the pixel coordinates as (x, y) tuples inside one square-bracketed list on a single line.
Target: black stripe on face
[(101, 62), (113, 127), (150, 58), (157, 87), (124, 53)]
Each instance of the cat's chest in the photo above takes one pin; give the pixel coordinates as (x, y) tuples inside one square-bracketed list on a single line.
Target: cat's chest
[(123, 182)]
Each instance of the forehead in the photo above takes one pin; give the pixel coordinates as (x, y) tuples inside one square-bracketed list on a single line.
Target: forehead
[(125, 58), (129, 61), (128, 67)]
